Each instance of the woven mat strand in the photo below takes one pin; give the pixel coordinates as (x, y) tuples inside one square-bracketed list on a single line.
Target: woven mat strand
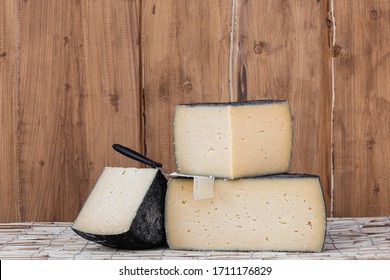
[(347, 238)]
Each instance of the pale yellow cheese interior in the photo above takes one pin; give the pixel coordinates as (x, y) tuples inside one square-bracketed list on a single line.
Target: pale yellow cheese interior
[(114, 200), (261, 139), (286, 214), (233, 141), (203, 144)]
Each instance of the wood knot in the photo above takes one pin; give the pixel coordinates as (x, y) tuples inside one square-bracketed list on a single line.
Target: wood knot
[(337, 50), (376, 188), (3, 54), (114, 100), (328, 23), (66, 40), (373, 15), (370, 144), (187, 86), (258, 47), (67, 87)]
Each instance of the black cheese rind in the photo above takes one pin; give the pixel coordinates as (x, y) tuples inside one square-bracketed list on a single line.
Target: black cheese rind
[(239, 103), (146, 228)]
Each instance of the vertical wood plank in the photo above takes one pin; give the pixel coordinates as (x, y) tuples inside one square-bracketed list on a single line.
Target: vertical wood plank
[(186, 59), (362, 108), (9, 96), (112, 80), (282, 51), (79, 94), (53, 173)]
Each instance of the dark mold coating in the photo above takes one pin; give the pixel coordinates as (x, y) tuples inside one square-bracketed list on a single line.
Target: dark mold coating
[(120, 241), (284, 176), (147, 228), (240, 103), (273, 176), (247, 250)]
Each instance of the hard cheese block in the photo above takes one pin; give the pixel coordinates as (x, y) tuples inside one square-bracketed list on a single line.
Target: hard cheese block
[(233, 140), (277, 213), (125, 209)]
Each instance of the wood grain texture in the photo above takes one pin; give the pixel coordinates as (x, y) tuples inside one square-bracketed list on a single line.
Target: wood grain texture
[(52, 111), (9, 96), (186, 59), (79, 85), (281, 51), (77, 76), (362, 108), (112, 80)]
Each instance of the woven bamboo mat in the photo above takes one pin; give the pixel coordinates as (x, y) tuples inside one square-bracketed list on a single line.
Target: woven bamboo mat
[(347, 238)]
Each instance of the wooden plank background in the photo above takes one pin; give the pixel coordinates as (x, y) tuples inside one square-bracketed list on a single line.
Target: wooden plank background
[(9, 96), (362, 108), (78, 76)]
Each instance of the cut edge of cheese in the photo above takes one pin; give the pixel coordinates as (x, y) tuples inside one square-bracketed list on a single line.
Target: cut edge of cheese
[(125, 209), (284, 212), (234, 139)]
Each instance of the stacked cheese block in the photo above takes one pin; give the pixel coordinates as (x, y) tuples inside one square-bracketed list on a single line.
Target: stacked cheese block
[(255, 205)]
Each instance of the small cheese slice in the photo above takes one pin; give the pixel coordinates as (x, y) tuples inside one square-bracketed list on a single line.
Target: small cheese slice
[(203, 187), (233, 140), (125, 209), (274, 213)]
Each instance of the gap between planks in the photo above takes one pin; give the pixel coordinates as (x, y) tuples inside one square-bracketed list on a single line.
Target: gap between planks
[(141, 78), (231, 51), (333, 34)]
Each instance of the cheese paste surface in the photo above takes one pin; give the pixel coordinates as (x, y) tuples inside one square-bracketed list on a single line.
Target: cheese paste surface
[(277, 213), (233, 140)]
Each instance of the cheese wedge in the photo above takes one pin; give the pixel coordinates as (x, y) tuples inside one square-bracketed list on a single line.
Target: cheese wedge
[(125, 209), (233, 140), (274, 213)]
